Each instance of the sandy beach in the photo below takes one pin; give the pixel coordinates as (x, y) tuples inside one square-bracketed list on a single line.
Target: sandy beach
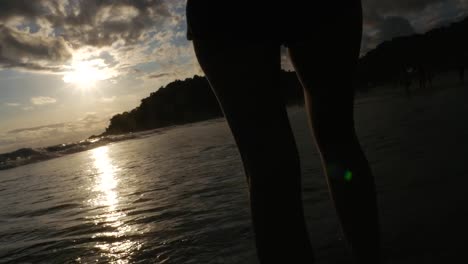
[(417, 148)]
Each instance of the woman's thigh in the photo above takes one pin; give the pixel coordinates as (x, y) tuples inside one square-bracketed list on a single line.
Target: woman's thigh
[(326, 68), (245, 76)]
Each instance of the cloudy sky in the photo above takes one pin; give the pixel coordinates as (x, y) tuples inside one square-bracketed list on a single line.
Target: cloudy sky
[(66, 66)]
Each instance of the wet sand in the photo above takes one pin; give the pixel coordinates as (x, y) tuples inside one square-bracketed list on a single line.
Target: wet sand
[(418, 149)]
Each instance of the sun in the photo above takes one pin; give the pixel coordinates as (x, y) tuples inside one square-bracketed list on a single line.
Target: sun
[(86, 74)]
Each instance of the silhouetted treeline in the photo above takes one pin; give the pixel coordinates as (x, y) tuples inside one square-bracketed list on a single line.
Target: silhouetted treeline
[(419, 57), (182, 102), (179, 102)]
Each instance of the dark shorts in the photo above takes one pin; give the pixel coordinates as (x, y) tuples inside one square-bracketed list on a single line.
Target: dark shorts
[(273, 21)]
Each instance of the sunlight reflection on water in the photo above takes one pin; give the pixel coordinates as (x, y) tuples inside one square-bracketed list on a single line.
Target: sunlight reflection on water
[(106, 188), (106, 183)]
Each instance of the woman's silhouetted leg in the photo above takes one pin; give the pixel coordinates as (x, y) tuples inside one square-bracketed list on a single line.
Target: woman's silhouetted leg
[(325, 67), (245, 79)]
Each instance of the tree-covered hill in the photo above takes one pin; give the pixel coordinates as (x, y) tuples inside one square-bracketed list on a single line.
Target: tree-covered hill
[(182, 102), (419, 56)]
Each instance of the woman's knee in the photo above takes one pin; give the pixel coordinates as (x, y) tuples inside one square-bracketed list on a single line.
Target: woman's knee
[(267, 157)]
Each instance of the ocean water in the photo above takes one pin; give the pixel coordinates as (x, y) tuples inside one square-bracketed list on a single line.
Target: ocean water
[(168, 197), (179, 195)]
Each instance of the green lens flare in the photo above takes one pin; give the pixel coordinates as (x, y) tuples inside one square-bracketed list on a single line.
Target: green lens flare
[(348, 175)]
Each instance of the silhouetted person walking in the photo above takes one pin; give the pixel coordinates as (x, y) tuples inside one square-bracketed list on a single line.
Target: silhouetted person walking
[(237, 44)]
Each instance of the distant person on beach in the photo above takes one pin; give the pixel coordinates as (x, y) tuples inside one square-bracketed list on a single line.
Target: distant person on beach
[(237, 44)]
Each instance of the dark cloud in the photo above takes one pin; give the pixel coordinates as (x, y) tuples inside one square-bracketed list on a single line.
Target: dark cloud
[(108, 58), (159, 75), (89, 119), (394, 27), (117, 20), (376, 10), (20, 49), (38, 128), (6, 63), (386, 19), (25, 8)]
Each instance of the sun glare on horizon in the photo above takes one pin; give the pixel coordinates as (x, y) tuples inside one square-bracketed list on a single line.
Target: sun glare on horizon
[(86, 74)]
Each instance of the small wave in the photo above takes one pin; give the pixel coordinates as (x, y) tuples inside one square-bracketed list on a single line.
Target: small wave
[(148, 210), (48, 211), (26, 156)]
